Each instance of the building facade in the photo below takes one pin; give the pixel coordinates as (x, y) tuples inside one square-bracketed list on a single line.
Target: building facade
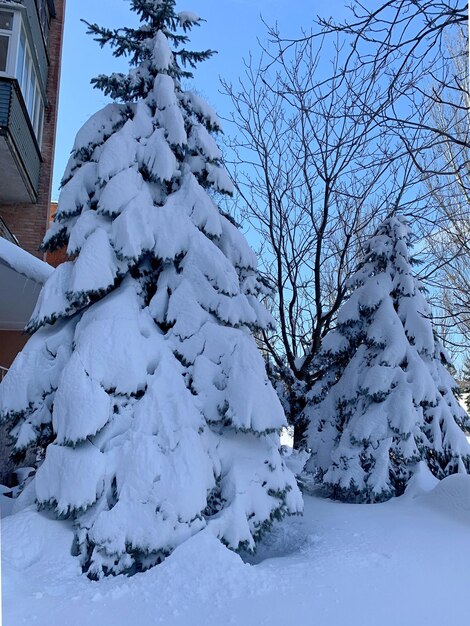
[(31, 33)]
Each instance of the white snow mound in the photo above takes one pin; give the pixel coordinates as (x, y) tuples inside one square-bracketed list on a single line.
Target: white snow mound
[(451, 497), (423, 481), (29, 537)]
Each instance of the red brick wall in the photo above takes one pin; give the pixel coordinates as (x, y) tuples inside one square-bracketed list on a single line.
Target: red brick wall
[(29, 222), (11, 342), (58, 256)]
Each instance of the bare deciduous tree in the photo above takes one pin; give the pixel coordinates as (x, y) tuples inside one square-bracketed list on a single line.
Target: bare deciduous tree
[(450, 194), (314, 174)]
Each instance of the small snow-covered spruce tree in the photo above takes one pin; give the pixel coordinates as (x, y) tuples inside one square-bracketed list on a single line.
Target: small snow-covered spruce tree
[(465, 382), (465, 374), (142, 368), (385, 400)]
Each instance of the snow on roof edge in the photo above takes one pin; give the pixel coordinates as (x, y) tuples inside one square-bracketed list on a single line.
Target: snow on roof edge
[(23, 262)]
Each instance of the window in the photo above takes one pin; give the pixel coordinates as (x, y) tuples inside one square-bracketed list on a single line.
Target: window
[(26, 74), (4, 41), (6, 20), (6, 27), (21, 58), (27, 78), (44, 13), (40, 121)]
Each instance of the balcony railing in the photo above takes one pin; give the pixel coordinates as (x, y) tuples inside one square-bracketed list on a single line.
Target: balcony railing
[(6, 233), (15, 126)]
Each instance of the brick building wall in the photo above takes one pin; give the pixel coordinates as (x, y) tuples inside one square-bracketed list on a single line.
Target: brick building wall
[(11, 342), (58, 256), (29, 221)]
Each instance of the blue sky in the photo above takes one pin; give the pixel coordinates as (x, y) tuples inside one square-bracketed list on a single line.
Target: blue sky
[(232, 29)]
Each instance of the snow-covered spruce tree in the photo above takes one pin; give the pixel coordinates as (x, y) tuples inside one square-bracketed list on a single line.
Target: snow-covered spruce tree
[(385, 400), (465, 382), (142, 369), (465, 374)]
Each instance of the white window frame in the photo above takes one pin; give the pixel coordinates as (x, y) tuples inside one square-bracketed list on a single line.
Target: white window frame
[(11, 34)]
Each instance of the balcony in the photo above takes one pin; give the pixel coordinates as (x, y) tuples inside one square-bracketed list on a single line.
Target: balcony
[(6, 233), (20, 157)]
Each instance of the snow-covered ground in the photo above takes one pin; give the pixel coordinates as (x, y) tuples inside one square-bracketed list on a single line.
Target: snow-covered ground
[(405, 562)]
